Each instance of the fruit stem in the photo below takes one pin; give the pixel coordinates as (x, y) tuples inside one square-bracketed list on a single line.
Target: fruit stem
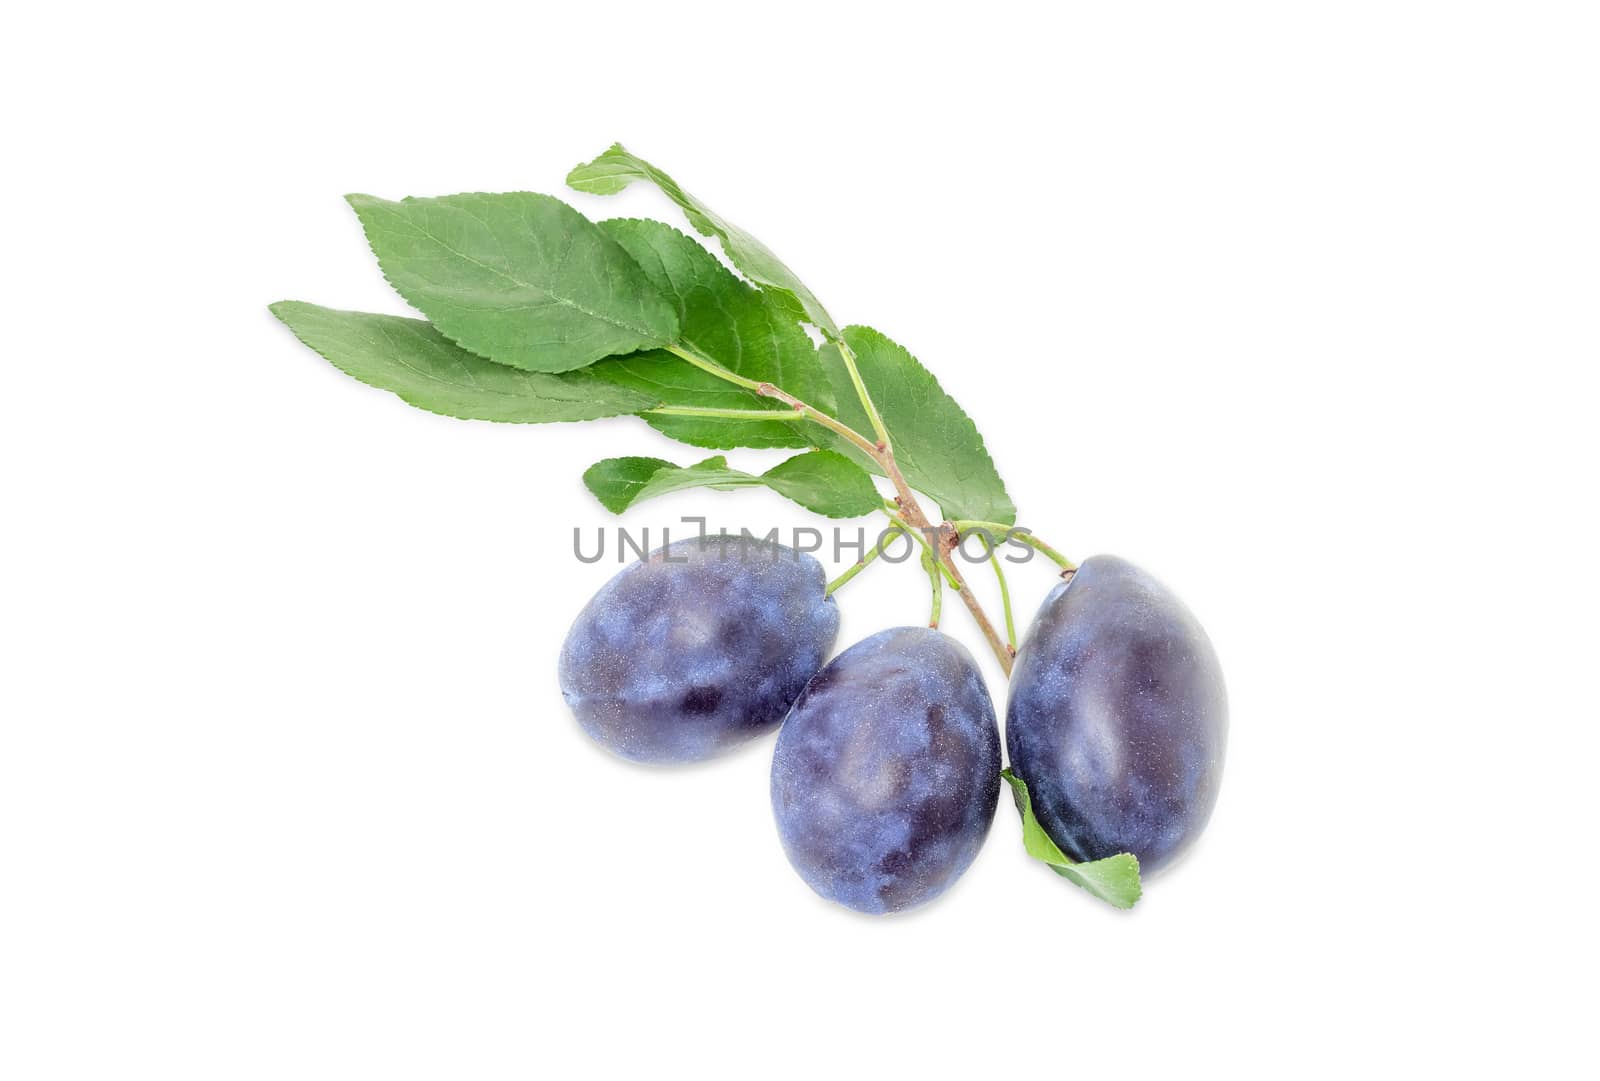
[(1007, 532), (911, 512), (859, 565), (936, 580), (1005, 600), (927, 548)]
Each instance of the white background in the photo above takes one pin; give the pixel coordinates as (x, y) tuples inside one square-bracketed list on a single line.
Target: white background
[(1293, 304)]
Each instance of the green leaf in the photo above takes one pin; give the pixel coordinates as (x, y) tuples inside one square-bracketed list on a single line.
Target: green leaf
[(422, 366), (936, 445), (522, 279), (818, 480), (1114, 879), (828, 483), (725, 320), (617, 482), (617, 168)]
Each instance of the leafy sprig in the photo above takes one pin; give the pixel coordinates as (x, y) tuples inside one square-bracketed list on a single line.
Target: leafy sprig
[(537, 314)]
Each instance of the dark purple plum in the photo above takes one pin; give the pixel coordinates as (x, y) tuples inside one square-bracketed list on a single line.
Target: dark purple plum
[(1118, 720), (887, 770), (701, 645)]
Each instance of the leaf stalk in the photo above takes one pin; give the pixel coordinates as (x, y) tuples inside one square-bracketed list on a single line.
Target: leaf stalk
[(725, 414), (849, 357)]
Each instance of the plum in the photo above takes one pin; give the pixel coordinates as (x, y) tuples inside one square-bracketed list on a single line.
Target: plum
[(701, 645), (1118, 719), (887, 770)]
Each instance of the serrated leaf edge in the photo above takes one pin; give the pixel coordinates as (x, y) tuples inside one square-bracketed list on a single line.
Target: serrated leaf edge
[(708, 223), (966, 418), (384, 271), (645, 401)]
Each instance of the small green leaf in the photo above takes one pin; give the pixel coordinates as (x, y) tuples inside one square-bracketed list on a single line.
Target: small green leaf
[(818, 480), (522, 279), (826, 482), (1114, 879), (617, 482), (617, 168), (412, 359), (727, 321), (937, 446)]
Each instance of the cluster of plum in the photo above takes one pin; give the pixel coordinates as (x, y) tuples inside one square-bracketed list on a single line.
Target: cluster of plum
[(887, 768)]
